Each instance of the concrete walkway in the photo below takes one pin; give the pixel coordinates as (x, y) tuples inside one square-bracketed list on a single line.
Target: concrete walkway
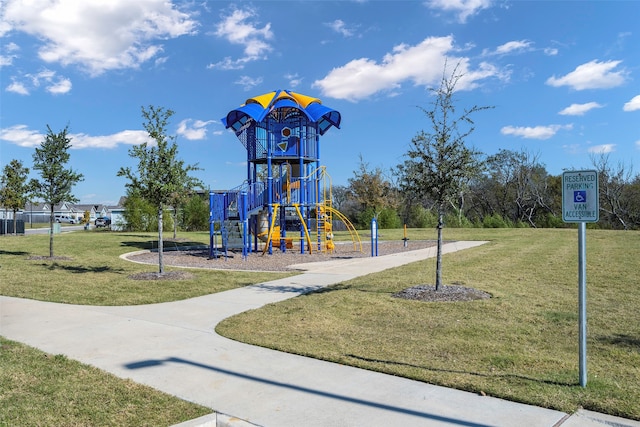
[(173, 347)]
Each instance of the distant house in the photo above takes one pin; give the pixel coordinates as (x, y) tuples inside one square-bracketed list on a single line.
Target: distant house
[(116, 213), (36, 212), (63, 209), (102, 210)]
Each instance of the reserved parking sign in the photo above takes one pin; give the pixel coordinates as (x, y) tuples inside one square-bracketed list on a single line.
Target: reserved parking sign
[(580, 196)]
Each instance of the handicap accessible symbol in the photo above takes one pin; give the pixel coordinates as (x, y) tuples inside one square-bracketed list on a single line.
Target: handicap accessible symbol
[(579, 196)]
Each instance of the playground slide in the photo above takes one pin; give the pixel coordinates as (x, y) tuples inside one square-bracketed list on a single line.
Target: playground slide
[(263, 232)]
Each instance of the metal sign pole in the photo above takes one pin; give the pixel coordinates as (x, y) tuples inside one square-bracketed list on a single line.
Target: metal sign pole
[(581, 204), (374, 237), (582, 300)]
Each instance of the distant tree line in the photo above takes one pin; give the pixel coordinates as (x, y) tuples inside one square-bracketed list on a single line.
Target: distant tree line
[(510, 189)]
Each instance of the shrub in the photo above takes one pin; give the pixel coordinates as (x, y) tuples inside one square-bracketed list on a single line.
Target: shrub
[(389, 218), (495, 221), (196, 214)]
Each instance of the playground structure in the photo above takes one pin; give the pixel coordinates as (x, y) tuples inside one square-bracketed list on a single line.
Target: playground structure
[(286, 198)]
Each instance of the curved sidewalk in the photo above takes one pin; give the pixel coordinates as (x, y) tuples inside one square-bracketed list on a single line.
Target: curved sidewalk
[(173, 347)]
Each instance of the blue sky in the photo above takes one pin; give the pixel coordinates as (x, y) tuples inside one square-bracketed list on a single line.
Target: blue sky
[(563, 77)]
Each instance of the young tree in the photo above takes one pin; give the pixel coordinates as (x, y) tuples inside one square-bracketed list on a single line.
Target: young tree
[(439, 165), (14, 188), (56, 183), (372, 191), (160, 174)]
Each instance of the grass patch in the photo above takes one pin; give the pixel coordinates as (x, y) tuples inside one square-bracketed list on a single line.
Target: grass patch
[(521, 345), (39, 389), (87, 270)]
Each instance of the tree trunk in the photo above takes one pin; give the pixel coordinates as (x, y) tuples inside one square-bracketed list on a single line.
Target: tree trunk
[(51, 232), (439, 252), (175, 223), (15, 223), (160, 243)]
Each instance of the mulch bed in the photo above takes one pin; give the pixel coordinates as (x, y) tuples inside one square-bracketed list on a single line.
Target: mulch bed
[(167, 275), (446, 293)]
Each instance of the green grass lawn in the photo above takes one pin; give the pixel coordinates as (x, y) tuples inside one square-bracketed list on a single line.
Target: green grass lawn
[(521, 345), (90, 271)]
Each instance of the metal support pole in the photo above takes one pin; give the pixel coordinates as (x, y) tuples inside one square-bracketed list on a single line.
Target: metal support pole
[(246, 240), (582, 300), (211, 225), (283, 229)]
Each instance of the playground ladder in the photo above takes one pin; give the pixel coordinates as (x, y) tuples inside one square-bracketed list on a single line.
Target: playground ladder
[(324, 226)]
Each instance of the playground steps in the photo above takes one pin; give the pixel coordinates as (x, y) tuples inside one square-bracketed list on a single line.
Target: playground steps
[(234, 233)]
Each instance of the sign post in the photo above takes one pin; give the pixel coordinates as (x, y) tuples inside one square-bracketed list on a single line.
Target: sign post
[(581, 204), (374, 237)]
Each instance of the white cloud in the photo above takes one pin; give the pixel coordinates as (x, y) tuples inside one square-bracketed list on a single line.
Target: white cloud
[(421, 64), (18, 87), (572, 148), (592, 75), (513, 46), (632, 105), (9, 48), (126, 137), (54, 84), (228, 64), (5, 27), (160, 61), (579, 109), (248, 83), (602, 149), (340, 27), (293, 79), (638, 144), (44, 75), (536, 132), (193, 129), (464, 8), (6, 60), (22, 136), (550, 51), (237, 28), (61, 86), (95, 35)]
